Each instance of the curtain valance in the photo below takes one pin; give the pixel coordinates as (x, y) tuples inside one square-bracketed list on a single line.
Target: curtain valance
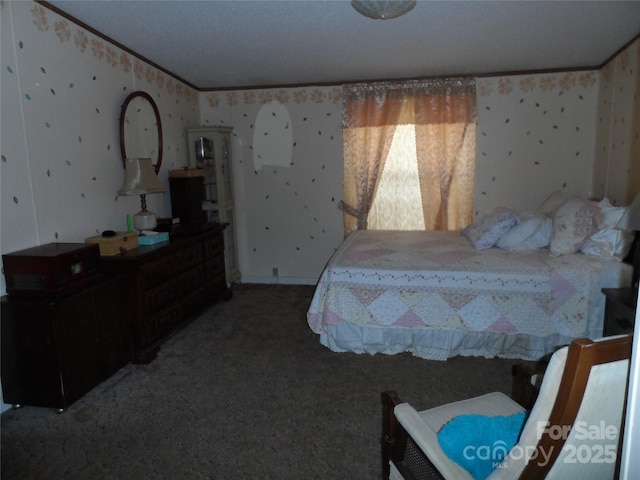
[(418, 102)]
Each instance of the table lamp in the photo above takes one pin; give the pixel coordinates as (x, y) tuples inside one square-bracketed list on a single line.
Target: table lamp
[(140, 179)]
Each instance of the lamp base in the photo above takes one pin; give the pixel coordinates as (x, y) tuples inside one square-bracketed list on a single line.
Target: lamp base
[(145, 221)]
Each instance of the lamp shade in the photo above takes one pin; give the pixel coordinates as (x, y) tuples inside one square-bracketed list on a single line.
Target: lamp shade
[(140, 178), (631, 218)]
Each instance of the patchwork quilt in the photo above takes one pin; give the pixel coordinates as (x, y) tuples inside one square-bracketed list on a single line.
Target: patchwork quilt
[(435, 295)]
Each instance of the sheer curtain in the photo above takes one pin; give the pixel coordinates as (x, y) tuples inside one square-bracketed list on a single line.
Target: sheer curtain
[(433, 151)]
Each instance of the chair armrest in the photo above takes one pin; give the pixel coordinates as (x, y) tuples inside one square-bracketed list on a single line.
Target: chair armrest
[(426, 440), (389, 400), (526, 384), (391, 446)]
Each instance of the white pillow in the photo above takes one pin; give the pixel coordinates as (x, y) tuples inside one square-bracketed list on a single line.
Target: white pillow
[(610, 215), (609, 242), (485, 232), (574, 222), (531, 233)]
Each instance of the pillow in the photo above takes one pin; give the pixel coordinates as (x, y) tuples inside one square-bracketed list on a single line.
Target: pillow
[(531, 233), (609, 242), (552, 203), (485, 232), (574, 222), (610, 215), (478, 443)]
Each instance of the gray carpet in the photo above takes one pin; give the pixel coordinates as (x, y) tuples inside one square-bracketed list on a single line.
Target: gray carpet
[(245, 391)]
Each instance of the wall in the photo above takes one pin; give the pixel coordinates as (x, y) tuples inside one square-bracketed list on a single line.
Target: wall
[(62, 89), (61, 93), (535, 135), (617, 162), (287, 212)]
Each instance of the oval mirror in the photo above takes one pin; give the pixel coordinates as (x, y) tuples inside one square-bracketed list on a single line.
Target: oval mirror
[(141, 129)]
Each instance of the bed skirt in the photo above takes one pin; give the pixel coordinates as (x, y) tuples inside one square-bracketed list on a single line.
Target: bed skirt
[(437, 344)]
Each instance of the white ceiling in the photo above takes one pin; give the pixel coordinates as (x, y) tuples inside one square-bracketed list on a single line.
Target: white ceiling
[(224, 44)]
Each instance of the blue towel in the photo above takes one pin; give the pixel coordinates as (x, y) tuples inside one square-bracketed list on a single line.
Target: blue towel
[(479, 443)]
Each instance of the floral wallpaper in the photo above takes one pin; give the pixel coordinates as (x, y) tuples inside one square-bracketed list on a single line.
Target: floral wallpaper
[(62, 90), (617, 163), (286, 212), (85, 42), (298, 96), (543, 83), (535, 135)]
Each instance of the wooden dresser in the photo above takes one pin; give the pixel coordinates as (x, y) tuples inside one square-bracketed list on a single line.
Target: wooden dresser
[(169, 283), (55, 351)]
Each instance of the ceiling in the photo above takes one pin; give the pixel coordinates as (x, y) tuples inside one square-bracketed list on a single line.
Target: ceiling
[(240, 44)]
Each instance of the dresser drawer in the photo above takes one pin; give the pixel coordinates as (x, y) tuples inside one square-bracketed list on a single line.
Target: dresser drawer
[(159, 298), (163, 323), (214, 267), (155, 273), (188, 258), (193, 303), (213, 246), (191, 280), (168, 283)]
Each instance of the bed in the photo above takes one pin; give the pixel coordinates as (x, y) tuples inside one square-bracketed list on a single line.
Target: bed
[(437, 295)]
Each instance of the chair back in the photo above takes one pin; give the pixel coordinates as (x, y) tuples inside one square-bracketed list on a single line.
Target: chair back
[(574, 428)]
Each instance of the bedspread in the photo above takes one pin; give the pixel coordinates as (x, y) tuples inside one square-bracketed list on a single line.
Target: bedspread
[(434, 295)]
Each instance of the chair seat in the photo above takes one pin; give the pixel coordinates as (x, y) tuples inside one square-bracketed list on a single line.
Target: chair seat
[(414, 422), (491, 404)]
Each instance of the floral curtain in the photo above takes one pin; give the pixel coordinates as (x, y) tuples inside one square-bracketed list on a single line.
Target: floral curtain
[(443, 113)]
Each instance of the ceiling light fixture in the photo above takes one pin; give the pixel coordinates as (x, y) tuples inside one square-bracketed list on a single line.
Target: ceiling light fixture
[(383, 9)]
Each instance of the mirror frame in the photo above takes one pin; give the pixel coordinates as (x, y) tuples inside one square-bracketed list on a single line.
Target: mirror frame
[(123, 115)]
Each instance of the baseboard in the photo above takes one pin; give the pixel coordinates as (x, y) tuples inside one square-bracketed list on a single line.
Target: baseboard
[(279, 280)]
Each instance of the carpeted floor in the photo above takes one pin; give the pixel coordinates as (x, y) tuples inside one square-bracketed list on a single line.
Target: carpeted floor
[(245, 391)]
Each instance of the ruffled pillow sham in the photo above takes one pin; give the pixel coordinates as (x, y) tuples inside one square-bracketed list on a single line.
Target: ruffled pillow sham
[(487, 230)]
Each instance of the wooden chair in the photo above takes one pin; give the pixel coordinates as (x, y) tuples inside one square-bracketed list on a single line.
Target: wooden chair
[(584, 386)]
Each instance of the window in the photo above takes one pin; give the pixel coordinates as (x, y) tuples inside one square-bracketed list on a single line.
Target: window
[(397, 204), (409, 155)]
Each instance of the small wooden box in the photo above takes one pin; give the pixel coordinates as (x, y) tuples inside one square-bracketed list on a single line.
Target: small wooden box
[(51, 270), (116, 244)]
